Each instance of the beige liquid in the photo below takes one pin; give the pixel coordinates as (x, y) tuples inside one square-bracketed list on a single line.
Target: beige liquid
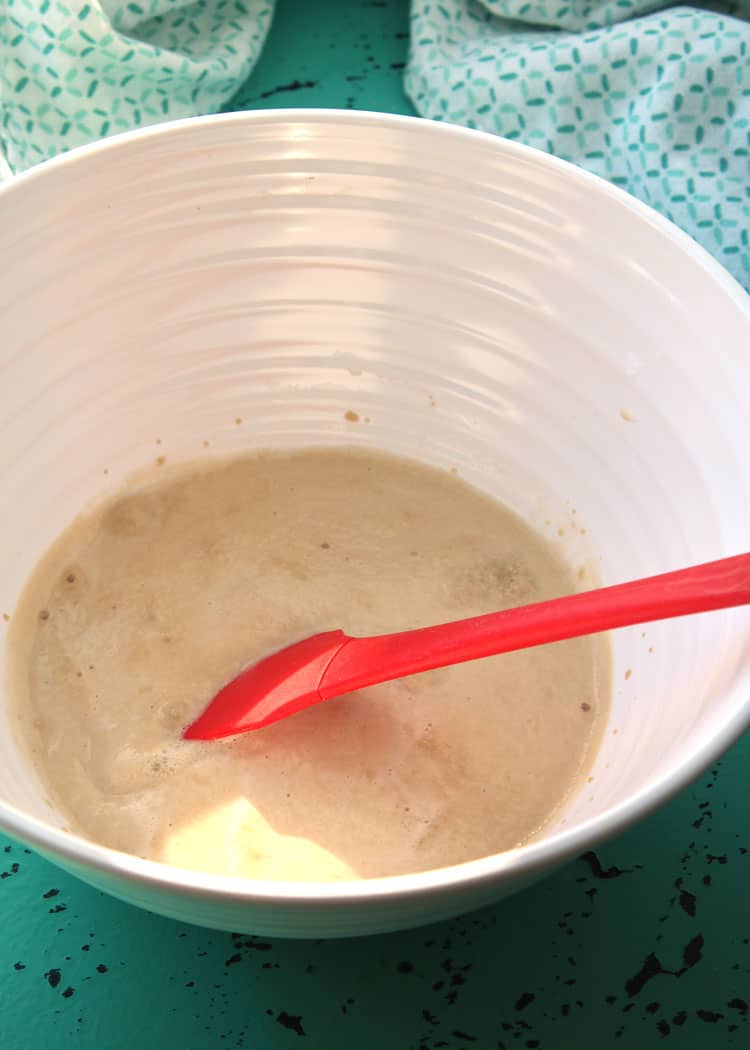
[(146, 606)]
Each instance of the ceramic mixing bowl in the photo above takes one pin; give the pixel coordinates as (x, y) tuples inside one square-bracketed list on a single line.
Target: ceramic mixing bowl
[(474, 304)]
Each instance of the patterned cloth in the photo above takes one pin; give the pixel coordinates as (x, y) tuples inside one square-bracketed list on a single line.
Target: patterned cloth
[(76, 71), (656, 99), (657, 102)]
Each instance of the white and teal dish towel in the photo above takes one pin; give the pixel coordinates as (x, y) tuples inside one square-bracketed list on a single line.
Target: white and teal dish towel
[(655, 98)]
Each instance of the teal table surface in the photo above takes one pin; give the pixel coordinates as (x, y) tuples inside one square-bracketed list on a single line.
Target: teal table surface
[(644, 941)]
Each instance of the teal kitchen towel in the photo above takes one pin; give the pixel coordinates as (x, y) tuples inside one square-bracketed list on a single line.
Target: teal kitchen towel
[(654, 98), (75, 71)]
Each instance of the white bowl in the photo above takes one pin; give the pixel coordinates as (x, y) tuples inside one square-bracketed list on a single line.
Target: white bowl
[(286, 267)]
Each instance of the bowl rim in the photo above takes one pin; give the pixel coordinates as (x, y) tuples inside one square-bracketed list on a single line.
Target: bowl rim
[(523, 861)]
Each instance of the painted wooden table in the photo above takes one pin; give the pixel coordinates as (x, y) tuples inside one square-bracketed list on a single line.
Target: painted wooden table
[(646, 940)]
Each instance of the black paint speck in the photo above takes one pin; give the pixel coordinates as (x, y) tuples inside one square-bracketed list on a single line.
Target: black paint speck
[(651, 967), (525, 1000), (663, 1028), (68, 992), (693, 951), (652, 1008), (458, 1034), (295, 85), (21, 966), (53, 978), (680, 1018), (598, 871), (734, 1004), (101, 968), (233, 959), (291, 1021), (687, 903), (252, 943), (49, 894), (708, 1016)]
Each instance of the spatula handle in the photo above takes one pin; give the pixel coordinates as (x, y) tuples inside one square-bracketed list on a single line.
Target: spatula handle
[(366, 661)]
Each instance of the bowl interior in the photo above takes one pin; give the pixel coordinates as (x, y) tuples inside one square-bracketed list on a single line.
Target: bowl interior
[(477, 305)]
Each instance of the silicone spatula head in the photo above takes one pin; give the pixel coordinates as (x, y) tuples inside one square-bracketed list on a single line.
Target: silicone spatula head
[(282, 684)]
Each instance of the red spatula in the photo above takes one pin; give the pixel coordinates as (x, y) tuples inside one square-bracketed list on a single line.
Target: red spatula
[(330, 664)]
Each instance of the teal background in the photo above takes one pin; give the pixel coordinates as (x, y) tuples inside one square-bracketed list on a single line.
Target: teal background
[(644, 943)]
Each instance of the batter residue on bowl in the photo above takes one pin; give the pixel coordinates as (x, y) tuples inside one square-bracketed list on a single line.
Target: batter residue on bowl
[(151, 602)]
